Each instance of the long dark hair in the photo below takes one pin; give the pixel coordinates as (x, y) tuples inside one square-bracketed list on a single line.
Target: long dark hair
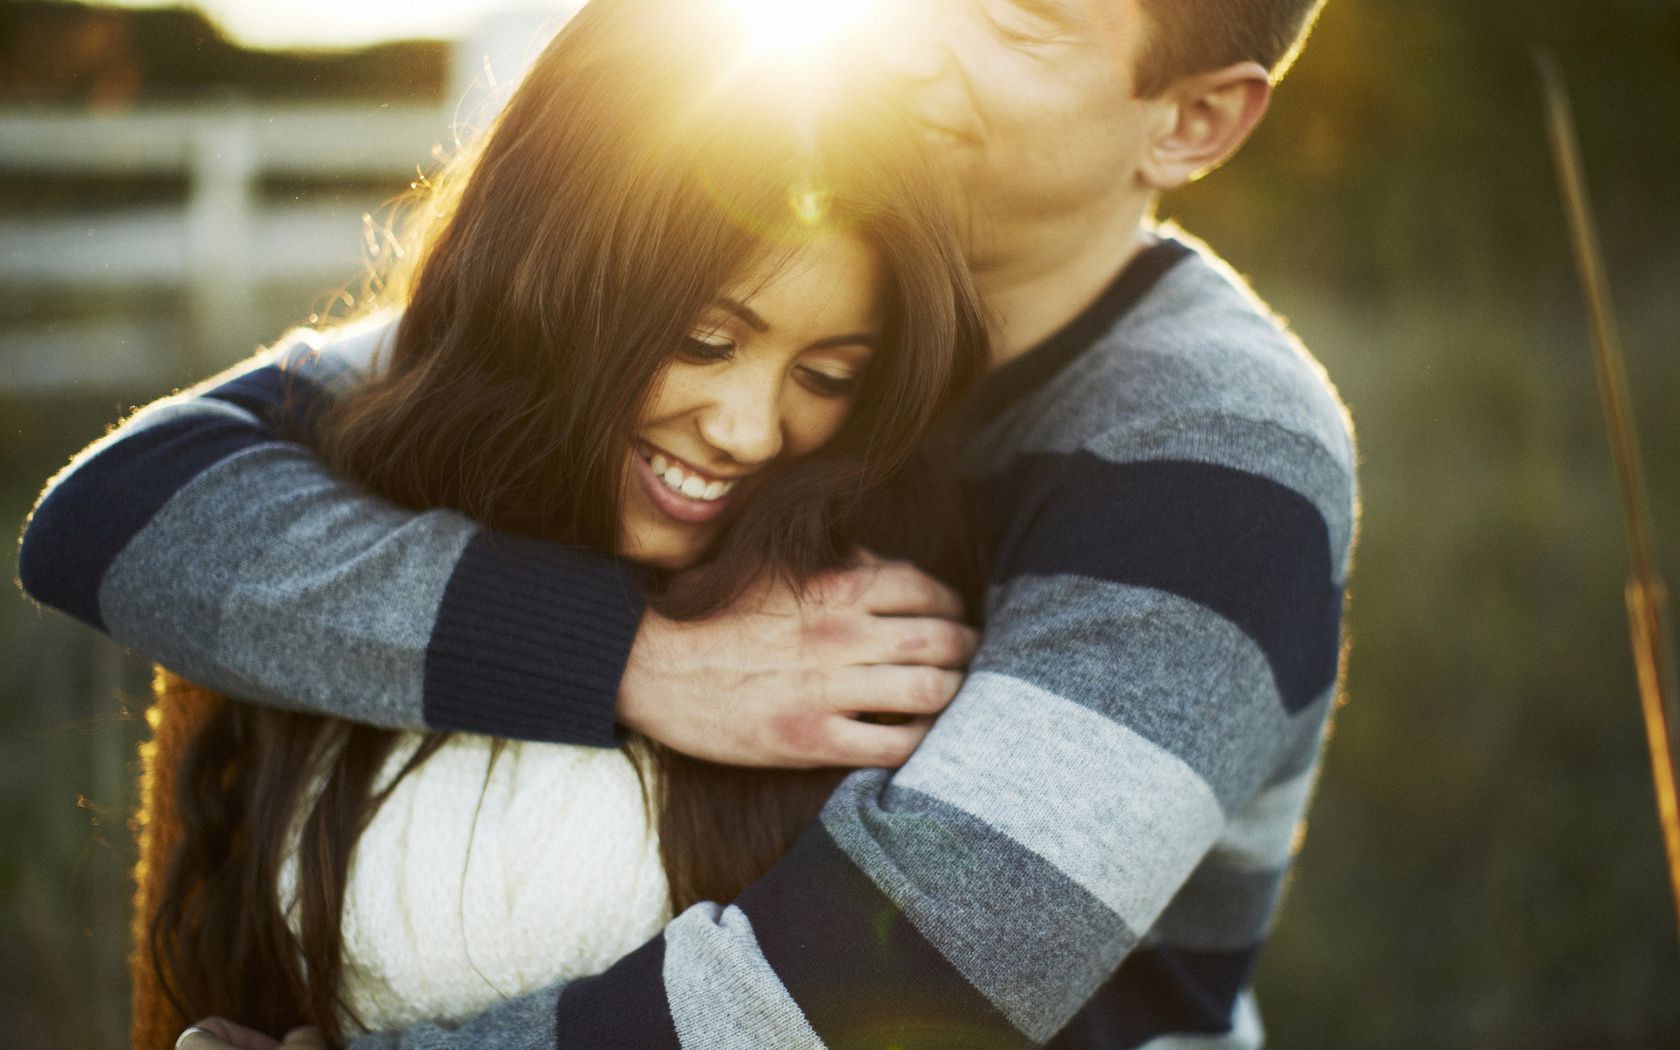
[(639, 169)]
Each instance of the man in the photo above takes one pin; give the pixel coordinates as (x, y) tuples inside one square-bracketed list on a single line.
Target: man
[(1087, 848)]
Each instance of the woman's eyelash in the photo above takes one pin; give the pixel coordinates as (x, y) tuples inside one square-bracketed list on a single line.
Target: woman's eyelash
[(706, 350), (832, 385)]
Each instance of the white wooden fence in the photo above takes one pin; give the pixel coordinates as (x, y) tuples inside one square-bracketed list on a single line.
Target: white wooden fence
[(221, 247), (226, 244)]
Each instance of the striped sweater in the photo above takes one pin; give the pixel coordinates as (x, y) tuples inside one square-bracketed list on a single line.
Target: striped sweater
[(1088, 848)]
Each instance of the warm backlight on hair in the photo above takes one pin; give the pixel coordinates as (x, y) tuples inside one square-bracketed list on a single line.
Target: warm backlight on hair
[(795, 26)]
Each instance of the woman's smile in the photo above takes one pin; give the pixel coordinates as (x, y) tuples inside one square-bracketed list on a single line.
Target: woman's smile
[(678, 488)]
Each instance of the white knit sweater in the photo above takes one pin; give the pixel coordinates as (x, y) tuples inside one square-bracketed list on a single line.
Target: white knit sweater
[(481, 880)]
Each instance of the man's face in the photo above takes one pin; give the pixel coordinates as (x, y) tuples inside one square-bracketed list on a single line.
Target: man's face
[(1032, 99)]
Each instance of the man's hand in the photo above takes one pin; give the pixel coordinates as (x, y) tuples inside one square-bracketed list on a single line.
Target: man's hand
[(778, 680), (215, 1033)]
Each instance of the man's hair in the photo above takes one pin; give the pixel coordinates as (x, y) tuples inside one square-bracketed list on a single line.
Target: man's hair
[(1195, 36)]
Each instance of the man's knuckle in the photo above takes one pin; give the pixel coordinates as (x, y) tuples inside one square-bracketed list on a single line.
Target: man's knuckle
[(953, 640), (799, 733), (896, 752), (930, 688), (827, 630)]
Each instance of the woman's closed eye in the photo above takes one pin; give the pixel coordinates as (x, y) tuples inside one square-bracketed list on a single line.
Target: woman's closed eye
[(707, 347), (826, 383)]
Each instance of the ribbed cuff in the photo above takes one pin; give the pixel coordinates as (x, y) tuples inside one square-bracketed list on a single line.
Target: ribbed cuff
[(530, 642)]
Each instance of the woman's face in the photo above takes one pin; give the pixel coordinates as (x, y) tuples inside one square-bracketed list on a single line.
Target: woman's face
[(768, 374)]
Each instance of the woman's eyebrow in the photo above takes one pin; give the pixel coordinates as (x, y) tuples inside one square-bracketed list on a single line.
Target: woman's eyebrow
[(744, 312), (758, 324), (872, 340)]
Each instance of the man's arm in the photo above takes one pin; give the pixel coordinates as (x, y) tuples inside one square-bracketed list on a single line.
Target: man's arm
[(198, 534), (1163, 639)]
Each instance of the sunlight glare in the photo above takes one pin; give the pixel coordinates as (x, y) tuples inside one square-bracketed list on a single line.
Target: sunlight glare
[(799, 26)]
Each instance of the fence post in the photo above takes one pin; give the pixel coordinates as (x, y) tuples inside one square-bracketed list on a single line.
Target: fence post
[(221, 296)]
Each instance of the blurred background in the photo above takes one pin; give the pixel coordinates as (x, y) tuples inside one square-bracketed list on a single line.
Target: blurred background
[(1484, 866)]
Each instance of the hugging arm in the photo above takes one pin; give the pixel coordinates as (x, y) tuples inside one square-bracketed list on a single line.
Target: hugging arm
[(196, 533), (1158, 663)]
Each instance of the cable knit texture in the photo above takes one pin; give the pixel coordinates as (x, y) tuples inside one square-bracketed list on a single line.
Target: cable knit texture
[(488, 876)]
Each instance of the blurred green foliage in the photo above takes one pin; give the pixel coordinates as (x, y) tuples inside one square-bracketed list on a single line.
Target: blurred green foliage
[(1484, 867)]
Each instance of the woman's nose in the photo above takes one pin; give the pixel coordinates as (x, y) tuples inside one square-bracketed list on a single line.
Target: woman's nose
[(744, 418)]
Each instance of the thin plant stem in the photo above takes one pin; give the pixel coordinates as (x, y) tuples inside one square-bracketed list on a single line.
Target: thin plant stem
[(1647, 595)]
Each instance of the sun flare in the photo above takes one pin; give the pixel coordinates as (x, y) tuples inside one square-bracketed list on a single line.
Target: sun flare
[(791, 27)]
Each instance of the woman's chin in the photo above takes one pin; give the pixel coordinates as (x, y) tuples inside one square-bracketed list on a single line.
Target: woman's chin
[(669, 557)]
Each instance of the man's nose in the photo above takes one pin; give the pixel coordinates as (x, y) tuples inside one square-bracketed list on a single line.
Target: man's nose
[(744, 419)]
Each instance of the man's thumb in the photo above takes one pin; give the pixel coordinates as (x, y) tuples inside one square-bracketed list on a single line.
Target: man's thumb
[(306, 1038)]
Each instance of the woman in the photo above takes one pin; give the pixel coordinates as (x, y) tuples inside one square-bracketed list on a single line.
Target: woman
[(669, 315)]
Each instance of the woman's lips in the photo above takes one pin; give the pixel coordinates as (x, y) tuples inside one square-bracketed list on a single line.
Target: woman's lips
[(669, 501)]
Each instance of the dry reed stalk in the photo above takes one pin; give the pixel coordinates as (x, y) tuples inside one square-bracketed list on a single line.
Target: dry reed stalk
[(1647, 595)]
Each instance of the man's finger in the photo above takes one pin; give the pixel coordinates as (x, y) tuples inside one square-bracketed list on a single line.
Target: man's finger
[(217, 1033), (863, 557), (892, 688), (862, 744), (923, 640), (901, 589), (305, 1038)]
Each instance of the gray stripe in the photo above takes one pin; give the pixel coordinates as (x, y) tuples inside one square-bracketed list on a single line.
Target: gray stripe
[(722, 993), (1307, 748), (526, 1021), (1123, 818), (1196, 346), (1027, 937), (1261, 836), (1177, 673), (256, 607)]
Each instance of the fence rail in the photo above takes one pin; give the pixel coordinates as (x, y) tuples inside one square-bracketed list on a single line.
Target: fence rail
[(220, 247), (318, 140)]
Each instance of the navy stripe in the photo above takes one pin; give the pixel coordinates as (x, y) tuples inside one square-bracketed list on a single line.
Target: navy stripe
[(87, 520), (1221, 907), (1008, 384), (488, 671), (622, 1009), (863, 975), (285, 400), (1161, 991), (1252, 550)]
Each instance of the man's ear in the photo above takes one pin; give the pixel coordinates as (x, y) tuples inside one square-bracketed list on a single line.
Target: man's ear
[(1203, 120)]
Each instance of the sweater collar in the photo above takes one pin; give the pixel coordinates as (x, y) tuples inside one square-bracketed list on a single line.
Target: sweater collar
[(1019, 378)]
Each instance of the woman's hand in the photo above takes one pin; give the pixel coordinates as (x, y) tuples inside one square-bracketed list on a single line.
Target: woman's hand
[(215, 1033), (779, 679)]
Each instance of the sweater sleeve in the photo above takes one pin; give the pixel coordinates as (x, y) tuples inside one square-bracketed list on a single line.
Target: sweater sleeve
[(199, 535), (1162, 638)]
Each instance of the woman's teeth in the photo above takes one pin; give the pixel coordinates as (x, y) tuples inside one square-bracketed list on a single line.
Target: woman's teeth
[(691, 485)]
